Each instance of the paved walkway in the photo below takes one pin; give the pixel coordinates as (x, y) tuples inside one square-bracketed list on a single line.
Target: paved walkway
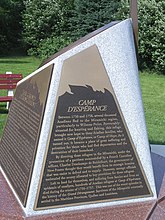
[(158, 149)]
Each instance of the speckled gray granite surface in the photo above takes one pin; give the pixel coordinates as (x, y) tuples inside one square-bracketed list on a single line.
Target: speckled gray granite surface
[(116, 47)]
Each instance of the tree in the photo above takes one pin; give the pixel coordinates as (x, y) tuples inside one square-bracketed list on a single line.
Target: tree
[(89, 15), (51, 25), (45, 25), (151, 32), (10, 23), (4, 10)]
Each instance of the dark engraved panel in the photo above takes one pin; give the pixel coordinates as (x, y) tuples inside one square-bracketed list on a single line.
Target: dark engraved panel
[(90, 156), (19, 142)]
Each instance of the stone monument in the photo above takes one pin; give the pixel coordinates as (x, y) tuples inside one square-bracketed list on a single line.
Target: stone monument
[(76, 137)]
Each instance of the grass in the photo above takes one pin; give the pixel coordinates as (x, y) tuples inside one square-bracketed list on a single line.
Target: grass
[(22, 64), (153, 92)]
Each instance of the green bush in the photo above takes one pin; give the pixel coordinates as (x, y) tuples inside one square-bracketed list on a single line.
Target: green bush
[(45, 24), (52, 45), (51, 25), (151, 32)]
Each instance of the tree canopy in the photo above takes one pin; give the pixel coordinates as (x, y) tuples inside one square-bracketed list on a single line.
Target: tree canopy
[(151, 32), (11, 26), (90, 15), (44, 26)]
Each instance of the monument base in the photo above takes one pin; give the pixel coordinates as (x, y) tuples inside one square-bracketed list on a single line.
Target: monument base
[(154, 210)]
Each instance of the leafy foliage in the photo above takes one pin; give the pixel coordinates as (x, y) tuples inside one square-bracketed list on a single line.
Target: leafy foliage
[(11, 27), (45, 23), (51, 25), (151, 32), (48, 26), (89, 15), (51, 45)]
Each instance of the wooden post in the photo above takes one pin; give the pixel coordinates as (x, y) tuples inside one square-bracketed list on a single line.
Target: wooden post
[(134, 16)]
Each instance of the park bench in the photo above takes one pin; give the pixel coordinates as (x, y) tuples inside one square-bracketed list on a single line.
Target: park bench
[(8, 82)]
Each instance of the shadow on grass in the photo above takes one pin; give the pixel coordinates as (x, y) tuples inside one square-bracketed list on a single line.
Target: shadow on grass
[(3, 111), (2, 105), (13, 61), (157, 142)]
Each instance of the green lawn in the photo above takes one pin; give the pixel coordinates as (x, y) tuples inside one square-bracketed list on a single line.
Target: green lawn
[(153, 92), (24, 65)]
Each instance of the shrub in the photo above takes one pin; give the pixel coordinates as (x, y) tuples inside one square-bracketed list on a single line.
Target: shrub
[(45, 22), (151, 32), (51, 25), (51, 45)]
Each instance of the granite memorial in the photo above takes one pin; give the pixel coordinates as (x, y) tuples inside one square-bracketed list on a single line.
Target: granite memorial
[(76, 137)]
